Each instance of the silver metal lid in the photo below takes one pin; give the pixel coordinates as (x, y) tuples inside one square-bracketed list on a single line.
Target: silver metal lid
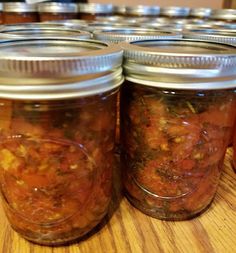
[(54, 7), (200, 12), (58, 68), (221, 36), (93, 8), (19, 7), (142, 10), (1, 6), (175, 11), (132, 34), (27, 32), (224, 14), (180, 64)]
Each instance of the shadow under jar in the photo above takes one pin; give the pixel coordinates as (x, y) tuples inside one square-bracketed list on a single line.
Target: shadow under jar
[(19, 12), (57, 148), (177, 114)]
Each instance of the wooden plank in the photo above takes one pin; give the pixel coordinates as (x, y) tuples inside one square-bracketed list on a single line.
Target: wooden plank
[(127, 230)]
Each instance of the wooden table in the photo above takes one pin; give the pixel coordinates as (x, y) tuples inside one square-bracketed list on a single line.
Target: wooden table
[(128, 230)]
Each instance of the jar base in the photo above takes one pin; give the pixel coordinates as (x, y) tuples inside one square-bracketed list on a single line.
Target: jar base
[(160, 214)]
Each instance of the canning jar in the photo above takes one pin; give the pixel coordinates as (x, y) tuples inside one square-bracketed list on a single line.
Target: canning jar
[(1, 19), (57, 11), (142, 11), (19, 12), (90, 11), (200, 13), (173, 12), (29, 30), (177, 113), (58, 116), (224, 15)]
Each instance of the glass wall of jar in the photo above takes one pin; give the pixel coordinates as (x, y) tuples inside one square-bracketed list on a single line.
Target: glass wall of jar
[(225, 15), (29, 30), (1, 7), (58, 116), (142, 11), (57, 11), (174, 12), (200, 13), (19, 12), (91, 11), (177, 114)]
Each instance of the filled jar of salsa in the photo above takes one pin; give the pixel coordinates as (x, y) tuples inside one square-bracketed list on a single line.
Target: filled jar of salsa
[(177, 114), (57, 135)]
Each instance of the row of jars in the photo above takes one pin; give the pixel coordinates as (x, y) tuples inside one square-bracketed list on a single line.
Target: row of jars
[(18, 12), (59, 101)]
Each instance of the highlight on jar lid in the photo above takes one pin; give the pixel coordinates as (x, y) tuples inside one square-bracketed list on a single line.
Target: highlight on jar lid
[(132, 34), (142, 10), (58, 68), (200, 12), (19, 7), (180, 64), (94, 8), (42, 30), (175, 11), (221, 36), (224, 14), (52, 7)]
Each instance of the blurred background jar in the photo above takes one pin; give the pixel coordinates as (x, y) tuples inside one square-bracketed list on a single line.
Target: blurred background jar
[(90, 11), (1, 19), (224, 15), (57, 121), (19, 12), (142, 11), (57, 11), (177, 114)]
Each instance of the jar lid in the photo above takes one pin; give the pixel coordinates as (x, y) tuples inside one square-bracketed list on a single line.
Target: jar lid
[(224, 14), (131, 34), (200, 12), (180, 64), (27, 32), (93, 8), (19, 7), (175, 11), (142, 10), (58, 68), (54, 7), (221, 36)]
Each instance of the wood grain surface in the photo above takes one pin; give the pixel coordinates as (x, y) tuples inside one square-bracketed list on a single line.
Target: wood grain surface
[(126, 229)]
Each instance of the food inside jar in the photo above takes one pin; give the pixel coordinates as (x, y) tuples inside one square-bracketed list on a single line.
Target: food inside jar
[(174, 143), (56, 160)]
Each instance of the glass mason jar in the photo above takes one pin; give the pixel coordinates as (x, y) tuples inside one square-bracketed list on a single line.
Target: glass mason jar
[(1, 18), (173, 12), (200, 13), (19, 12), (32, 30), (49, 11), (57, 120), (142, 11), (177, 113), (90, 11), (224, 15)]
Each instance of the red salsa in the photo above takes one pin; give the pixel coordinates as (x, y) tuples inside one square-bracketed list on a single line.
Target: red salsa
[(55, 183), (174, 142)]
